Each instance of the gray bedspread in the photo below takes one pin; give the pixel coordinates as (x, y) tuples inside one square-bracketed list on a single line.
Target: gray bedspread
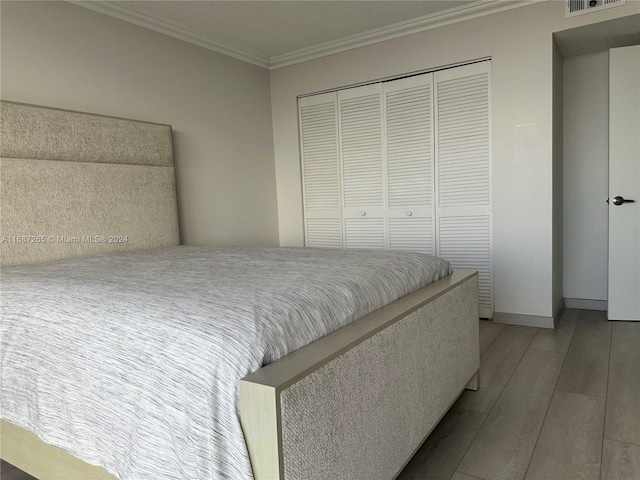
[(131, 360)]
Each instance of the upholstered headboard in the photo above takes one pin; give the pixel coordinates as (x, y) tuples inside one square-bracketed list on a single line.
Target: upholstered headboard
[(74, 184)]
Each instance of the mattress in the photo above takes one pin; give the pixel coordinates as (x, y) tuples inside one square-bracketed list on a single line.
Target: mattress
[(131, 361)]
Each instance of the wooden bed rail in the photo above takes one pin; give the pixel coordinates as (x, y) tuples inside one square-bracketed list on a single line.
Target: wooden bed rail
[(261, 393)]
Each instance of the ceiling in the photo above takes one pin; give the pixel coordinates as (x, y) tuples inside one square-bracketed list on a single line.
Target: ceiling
[(277, 27), (598, 37), (276, 33)]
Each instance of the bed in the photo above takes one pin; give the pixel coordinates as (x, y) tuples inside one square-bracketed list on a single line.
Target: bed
[(88, 197)]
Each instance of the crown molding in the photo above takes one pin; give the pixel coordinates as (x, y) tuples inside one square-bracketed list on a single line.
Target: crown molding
[(400, 29), (477, 9), (181, 33)]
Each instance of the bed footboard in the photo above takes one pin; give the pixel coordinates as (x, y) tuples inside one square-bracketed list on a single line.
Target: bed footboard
[(359, 402)]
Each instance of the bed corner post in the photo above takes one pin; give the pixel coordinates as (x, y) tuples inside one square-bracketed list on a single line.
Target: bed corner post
[(474, 382), (260, 420)]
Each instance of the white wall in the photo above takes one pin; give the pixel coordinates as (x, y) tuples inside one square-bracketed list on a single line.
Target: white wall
[(558, 170), (62, 55), (586, 156), (521, 46)]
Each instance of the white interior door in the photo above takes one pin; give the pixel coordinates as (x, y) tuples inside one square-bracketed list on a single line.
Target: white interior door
[(624, 183)]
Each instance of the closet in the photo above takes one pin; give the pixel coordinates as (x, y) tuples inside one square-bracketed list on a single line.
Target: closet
[(403, 164)]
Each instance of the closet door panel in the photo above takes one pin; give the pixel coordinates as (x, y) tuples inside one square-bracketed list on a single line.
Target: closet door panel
[(360, 113), (323, 232), (463, 167), (466, 242), (409, 131), (411, 234), (410, 163), (321, 170), (463, 173), (365, 232), (361, 137)]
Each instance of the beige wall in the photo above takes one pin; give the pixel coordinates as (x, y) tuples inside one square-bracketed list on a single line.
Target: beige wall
[(520, 44), (557, 172), (586, 175), (62, 55)]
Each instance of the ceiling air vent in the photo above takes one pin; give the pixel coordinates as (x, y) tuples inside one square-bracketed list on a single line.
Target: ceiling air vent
[(578, 7)]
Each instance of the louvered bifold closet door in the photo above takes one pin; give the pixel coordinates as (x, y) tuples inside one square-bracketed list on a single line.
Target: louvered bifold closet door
[(318, 117), (361, 151), (463, 185), (409, 149)]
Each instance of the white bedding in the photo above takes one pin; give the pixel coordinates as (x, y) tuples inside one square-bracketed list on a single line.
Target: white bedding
[(132, 360)]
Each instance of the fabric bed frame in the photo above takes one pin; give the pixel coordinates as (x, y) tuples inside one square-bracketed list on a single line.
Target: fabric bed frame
[(354, 404)]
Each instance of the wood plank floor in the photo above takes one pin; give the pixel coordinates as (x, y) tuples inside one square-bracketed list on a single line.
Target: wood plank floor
[(557, 404), (9, 472), (552, 405)]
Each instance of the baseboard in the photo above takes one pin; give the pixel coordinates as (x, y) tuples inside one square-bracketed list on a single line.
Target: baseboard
[(586, 304), (524, 320), (558, 313), (531, 320)]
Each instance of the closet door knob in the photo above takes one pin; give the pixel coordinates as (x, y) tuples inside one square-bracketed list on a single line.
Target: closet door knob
[(363, 213), (409, 213)]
